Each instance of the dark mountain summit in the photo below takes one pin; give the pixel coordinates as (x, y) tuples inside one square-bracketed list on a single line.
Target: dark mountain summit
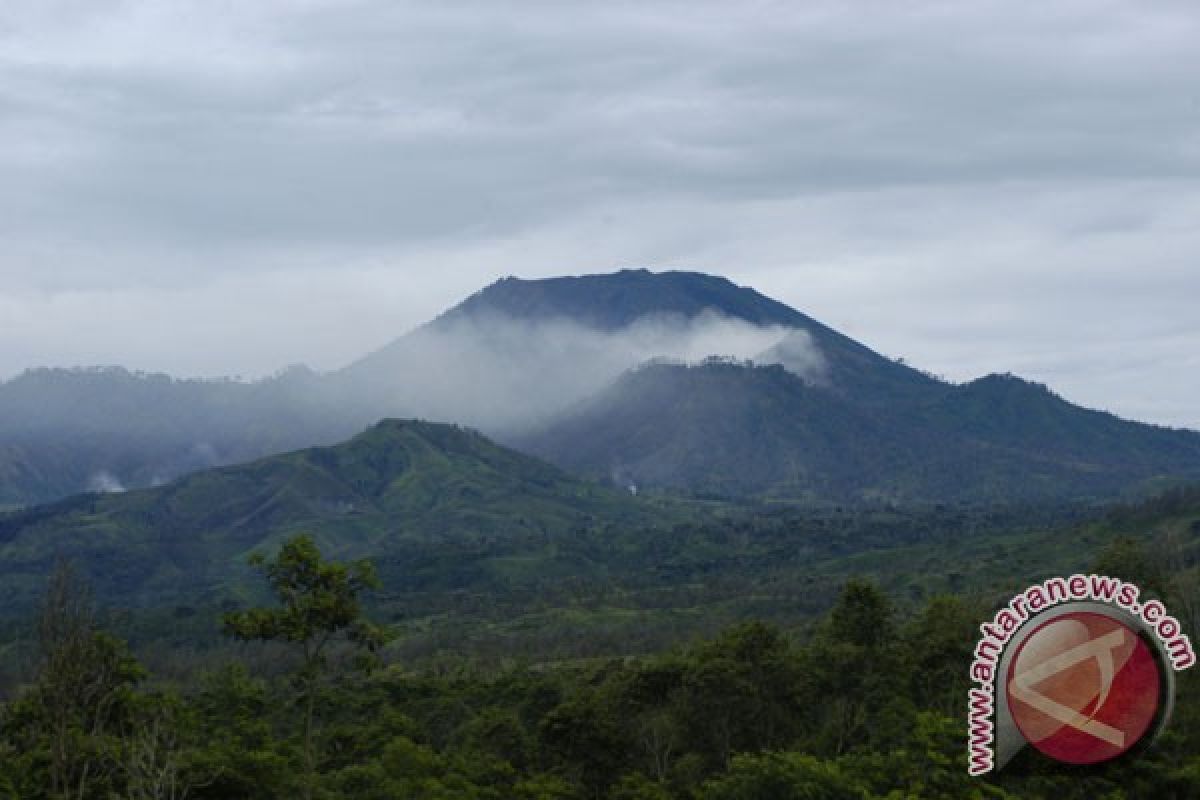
[(614, 301)]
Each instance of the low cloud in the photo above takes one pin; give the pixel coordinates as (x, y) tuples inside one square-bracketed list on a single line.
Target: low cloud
[(799, 354), (504, 375)]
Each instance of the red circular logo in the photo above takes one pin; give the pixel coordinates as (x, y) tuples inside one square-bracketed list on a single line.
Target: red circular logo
[(1084, 688)]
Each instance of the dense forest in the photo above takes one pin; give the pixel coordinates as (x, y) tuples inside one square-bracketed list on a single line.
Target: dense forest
[(311, 699)]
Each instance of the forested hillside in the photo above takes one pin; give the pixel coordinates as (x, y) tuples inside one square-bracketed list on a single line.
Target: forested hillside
[(865, 701)]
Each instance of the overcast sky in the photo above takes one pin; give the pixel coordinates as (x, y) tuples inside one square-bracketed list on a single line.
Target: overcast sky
[(218, 188)]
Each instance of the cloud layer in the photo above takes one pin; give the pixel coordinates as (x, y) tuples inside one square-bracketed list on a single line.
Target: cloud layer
[(227, 188)]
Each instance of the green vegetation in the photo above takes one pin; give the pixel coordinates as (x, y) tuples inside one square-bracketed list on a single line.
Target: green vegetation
[(320, 603), (868, 704)]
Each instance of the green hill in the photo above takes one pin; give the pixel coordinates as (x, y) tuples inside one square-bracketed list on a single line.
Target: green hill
[(392, 493)]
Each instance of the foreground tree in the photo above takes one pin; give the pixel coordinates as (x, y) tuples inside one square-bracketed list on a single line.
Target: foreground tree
[(319, 606), (848, 670), (68, 726)]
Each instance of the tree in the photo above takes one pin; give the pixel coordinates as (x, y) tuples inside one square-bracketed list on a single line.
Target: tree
[(158, 761), (782, 776), (740, 693), (236, 716), (319, 605), (849, 667), (1126, 558), (862, 616), (583, 735), (82, 700), (937, 643), (1183, 586)]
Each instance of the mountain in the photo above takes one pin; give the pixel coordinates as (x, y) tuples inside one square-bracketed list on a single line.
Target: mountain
[(741, 429), (545, 366), (389, 492)]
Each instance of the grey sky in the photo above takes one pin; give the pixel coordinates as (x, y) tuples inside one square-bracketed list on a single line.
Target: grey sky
[(225, 188)]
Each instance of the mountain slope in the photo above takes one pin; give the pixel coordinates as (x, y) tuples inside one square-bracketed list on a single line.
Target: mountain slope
[(738, 429), (384, 493)]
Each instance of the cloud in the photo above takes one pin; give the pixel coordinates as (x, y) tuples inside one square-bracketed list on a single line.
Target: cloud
[(105, 483), (798, 354), (226, 189), (505, 375)]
